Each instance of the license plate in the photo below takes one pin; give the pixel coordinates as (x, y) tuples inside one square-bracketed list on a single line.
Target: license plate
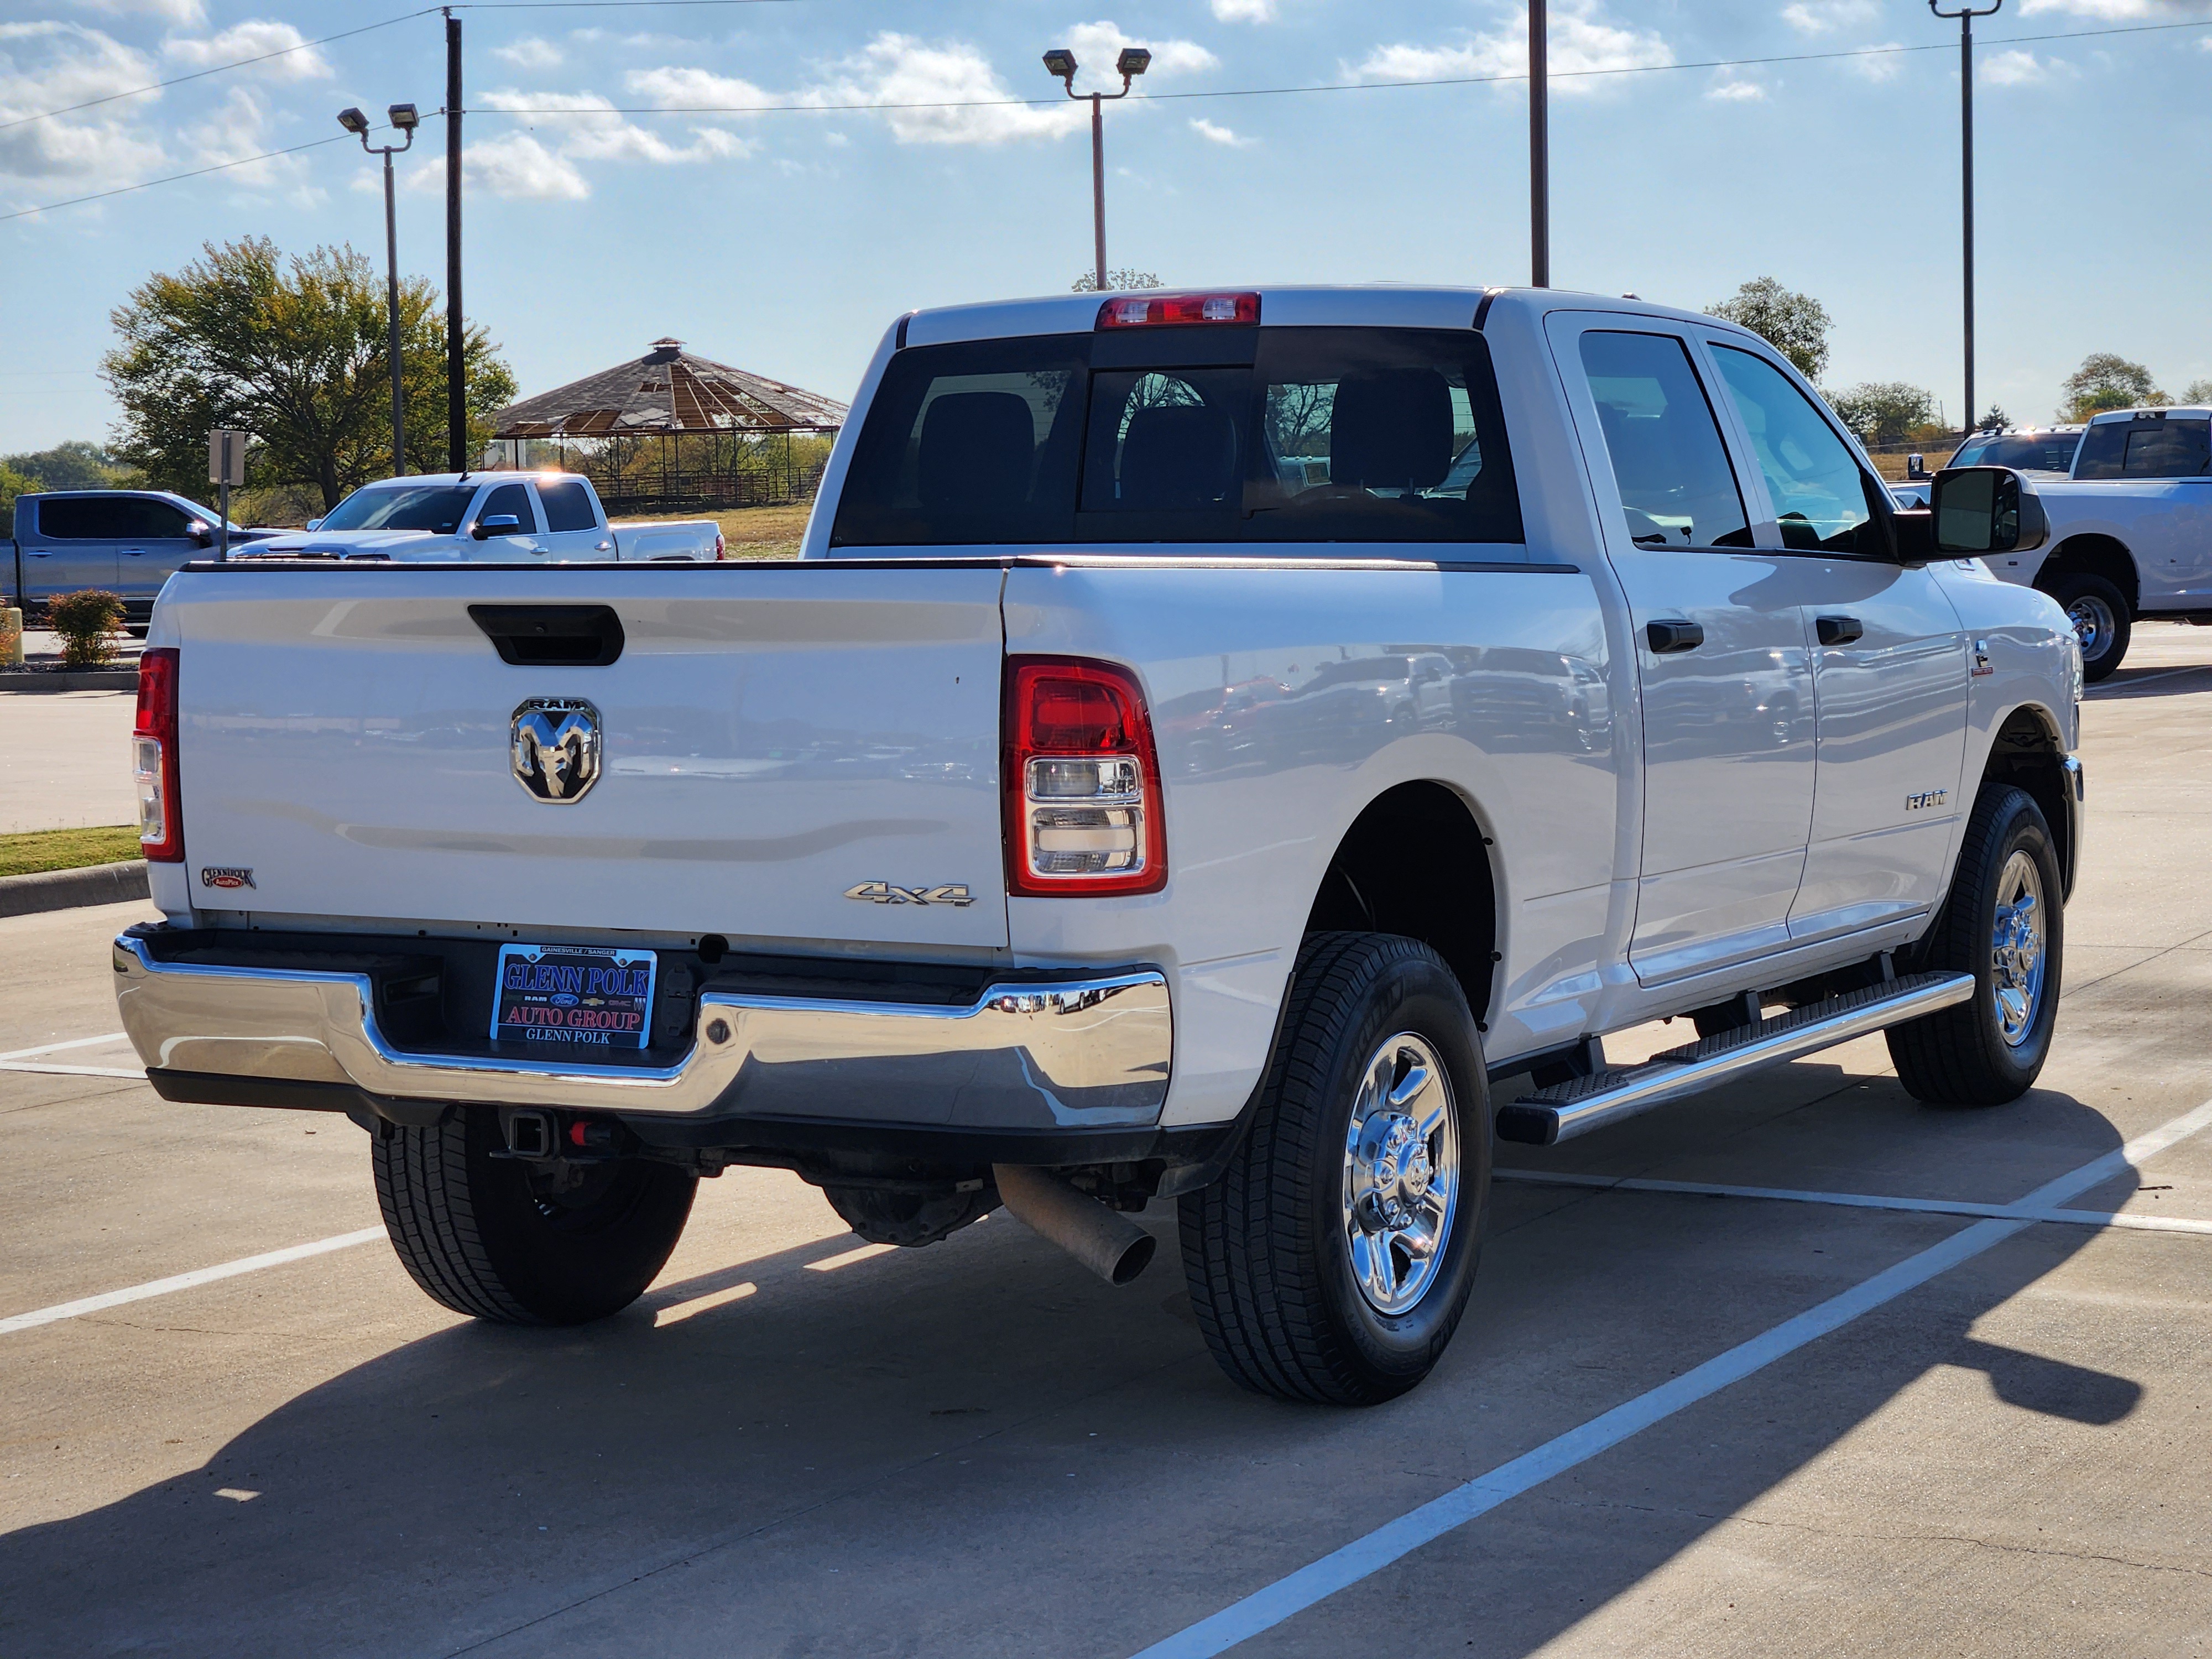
[(574, 996)]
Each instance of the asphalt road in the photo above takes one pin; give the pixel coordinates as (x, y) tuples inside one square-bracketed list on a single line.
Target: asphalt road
[(1675, 1422)]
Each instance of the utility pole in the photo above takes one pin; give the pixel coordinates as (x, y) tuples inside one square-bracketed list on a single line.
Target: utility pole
[(1540, 147), (457, 409), (404, 120), (1965, 14), (1133, 62)]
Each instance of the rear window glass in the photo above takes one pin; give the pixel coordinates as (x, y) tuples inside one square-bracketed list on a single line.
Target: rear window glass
[(434, 507), (2041, 452), (2145, 449), (567, 505), (84, 518), (1327, 435)]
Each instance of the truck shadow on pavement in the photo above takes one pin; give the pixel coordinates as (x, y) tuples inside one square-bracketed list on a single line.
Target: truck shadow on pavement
[(976, 1450)]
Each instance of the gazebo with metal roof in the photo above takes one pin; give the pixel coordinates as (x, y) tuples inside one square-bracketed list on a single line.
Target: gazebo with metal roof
[(677, 431)]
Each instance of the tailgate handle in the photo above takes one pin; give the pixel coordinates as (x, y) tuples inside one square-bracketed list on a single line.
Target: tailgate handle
[(552, 635)]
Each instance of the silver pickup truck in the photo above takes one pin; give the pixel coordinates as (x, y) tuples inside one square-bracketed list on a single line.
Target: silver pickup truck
[(1210, 743)]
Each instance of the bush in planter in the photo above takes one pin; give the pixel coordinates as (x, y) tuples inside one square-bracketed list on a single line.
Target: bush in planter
[(88, 623)]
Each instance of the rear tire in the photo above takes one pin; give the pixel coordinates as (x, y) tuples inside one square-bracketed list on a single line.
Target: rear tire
[(1991, 1049), (480, 1237), (2099, 613), (1332, 1260)]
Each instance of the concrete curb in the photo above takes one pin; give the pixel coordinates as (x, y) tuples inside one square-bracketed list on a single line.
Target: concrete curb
[(81, 679), (65, 889)]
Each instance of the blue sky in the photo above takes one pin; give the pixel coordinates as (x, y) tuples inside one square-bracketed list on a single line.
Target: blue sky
[(783, 240)]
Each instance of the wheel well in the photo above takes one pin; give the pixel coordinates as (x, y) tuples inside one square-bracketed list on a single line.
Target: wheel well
[(2027, 755), (1416, 863), (2094, 555)]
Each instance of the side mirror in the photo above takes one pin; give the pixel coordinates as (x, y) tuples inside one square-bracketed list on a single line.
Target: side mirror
[(314, 524), (201, 535), (499, 524), (1978, 510)]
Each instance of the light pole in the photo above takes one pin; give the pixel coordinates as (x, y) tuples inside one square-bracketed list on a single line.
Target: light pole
[(1540, 148), (1133, 62), (1965, 14), (404, 120)]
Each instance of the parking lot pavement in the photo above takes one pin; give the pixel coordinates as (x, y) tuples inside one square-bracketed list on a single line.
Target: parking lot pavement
[(1684, 1421), (65, 760)]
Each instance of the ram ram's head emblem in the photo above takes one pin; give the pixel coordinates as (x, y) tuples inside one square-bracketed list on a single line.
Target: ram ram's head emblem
[(555, 748)]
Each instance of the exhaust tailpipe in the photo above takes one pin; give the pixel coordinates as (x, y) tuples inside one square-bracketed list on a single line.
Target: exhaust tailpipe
[(1105, 1241)]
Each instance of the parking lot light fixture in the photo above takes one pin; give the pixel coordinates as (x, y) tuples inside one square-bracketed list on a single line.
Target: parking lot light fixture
[(404, 120), (1060, 63)]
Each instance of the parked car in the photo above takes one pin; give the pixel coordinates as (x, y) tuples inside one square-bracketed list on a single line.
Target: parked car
[(1100, 812), (522, 517), (127, 541), (2033, 451)]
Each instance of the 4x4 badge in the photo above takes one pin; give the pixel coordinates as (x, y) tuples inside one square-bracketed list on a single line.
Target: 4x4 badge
[(883, 893)]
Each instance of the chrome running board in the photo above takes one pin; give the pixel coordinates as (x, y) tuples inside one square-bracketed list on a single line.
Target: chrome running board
[(1567, 1110)]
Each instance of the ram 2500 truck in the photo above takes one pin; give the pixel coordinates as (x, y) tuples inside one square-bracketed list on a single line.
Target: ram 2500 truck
[(492, 516), (1209, 741)]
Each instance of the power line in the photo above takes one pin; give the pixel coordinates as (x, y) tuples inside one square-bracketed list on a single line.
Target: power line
[(201, 75), (197, 172)]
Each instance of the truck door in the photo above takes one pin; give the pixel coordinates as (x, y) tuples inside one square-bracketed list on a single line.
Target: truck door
[(73, 547), (1889, 666), (573, 529), (155, 541), (1723, 668), (521, 546)]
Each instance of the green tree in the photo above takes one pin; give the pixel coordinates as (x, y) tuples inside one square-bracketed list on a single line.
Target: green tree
[(1796, 325), (2107, 381), (12, 484), (75, 465), (1883, 412), (292, 352), (1116, 281), (2198, 391), (1993, 417)]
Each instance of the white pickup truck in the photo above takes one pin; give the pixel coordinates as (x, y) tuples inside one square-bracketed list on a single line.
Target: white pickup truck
[(1210, 742), (2130, 521), (488, 517)]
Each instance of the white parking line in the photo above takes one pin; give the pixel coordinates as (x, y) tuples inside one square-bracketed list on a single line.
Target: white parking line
[(1264, 1609), (199, 1276), (2126, 1218), (74, 1043)]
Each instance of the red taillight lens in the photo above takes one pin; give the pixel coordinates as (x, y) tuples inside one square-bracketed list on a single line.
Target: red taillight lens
[(154, 751), (1082, 781), (1169, 310)]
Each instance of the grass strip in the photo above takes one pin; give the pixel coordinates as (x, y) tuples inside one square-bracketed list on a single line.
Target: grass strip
[(36, 850)]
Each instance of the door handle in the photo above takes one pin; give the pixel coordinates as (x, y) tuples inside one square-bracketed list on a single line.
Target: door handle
[(133, 552), (1838, 630), (37, 553), (1673, 633)]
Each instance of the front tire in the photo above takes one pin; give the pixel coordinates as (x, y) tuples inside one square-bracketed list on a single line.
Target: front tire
[(1332, 1260), (487, 1236), (2005, 924), (2099, 613)]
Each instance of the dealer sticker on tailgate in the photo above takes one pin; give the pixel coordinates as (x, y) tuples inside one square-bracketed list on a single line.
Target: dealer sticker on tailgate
[(574, 994)]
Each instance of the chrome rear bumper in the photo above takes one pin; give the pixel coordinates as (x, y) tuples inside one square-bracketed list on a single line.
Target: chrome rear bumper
[(1088, 1051)]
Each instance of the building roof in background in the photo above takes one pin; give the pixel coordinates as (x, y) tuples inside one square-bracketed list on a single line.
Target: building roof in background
[(670, 390)]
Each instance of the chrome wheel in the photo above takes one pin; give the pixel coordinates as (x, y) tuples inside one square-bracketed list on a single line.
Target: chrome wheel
[(2016, 953), (1401, 1174), (2095, 625)]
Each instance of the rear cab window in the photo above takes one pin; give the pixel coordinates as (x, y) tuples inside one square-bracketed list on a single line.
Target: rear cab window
[(1215, 435), (568, 504), (2146, 448)]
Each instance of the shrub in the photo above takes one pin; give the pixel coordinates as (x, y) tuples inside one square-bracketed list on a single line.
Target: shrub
[(88, 623)]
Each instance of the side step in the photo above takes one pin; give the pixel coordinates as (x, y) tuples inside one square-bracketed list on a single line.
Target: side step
[(1567, 1110)]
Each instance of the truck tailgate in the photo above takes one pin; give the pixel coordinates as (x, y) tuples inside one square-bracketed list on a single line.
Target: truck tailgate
[(772, 738)]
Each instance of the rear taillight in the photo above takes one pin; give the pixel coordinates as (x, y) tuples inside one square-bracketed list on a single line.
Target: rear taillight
[(1169, 310), (154, 750), (1082, 781), (722, 547)]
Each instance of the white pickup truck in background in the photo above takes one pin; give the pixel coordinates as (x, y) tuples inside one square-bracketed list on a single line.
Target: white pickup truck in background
[(555, 516), (1209, 740)]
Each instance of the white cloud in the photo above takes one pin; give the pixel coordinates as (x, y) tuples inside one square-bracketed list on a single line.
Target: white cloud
[(1582, 44), (596, 133), (1726, 90), (1219, 135), (899, 69), (674, 87), (2110, 10), (243, 125), (1884, 64), (1095, 45), (2012, 69), (1244, 11), (300, 62), (515, 165), (530, 52), (173, 11), (1821, 16), (51, 66)]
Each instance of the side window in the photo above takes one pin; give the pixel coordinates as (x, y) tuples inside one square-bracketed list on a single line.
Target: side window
[(1820, 496), (511, 498), (154, 520), (83, 519), (1677, 488), (567, 505), (2146, 449)]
